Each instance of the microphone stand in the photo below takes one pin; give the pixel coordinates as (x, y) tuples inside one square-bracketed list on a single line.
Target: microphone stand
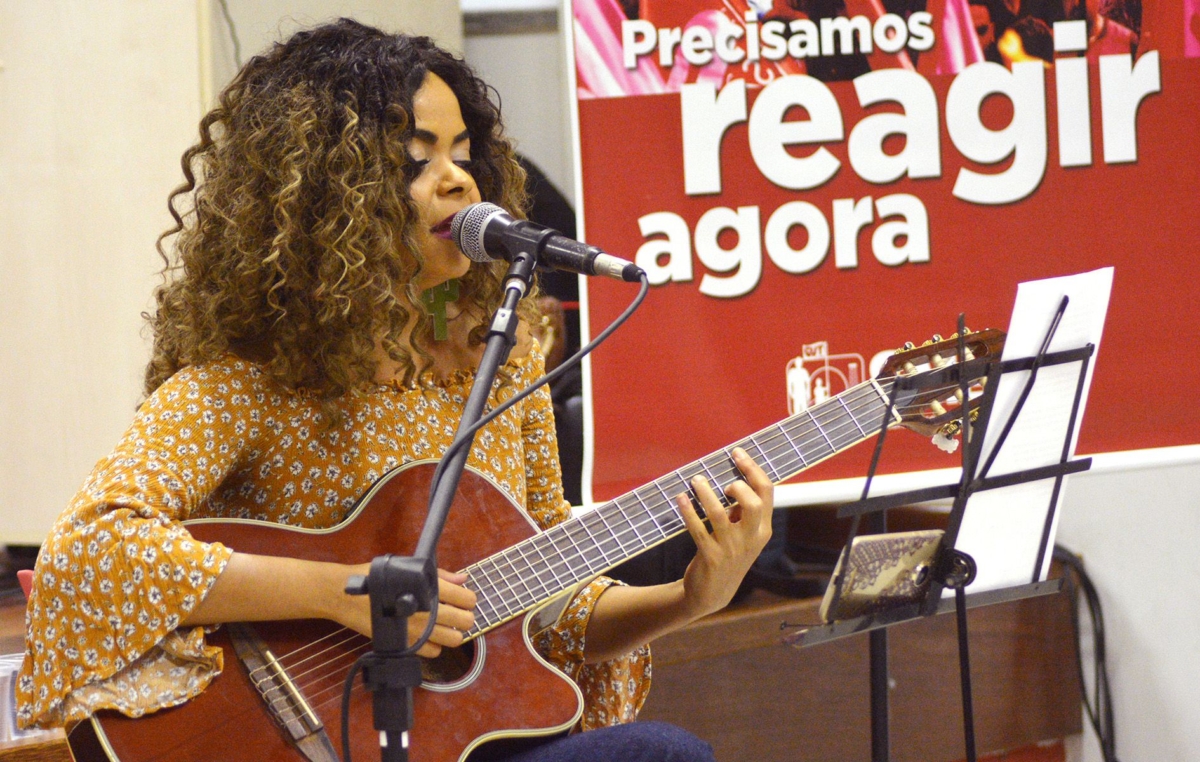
[(401, 586)]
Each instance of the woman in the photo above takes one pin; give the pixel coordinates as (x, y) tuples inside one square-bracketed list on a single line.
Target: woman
[(319, 328)]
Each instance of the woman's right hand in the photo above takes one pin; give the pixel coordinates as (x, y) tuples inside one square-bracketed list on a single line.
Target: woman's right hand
[(255, 588), (455, 614)]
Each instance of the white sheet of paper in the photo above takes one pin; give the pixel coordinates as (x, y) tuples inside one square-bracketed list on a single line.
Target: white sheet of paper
[(1002, 529)]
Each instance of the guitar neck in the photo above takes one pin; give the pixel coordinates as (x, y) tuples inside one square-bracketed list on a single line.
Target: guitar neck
[(540, 568)]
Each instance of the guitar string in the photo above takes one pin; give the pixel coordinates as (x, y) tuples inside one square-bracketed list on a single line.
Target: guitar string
[(713, 475), (773, 435), (332, 668), (518, 561), (292, 665), (673, 519), (563, 530), (672, 523), (521, 556), (334, 681)]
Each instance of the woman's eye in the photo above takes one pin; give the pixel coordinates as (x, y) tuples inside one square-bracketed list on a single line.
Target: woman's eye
[(415, 167)]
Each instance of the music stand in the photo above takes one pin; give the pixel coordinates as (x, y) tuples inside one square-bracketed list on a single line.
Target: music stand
[(953, 568)]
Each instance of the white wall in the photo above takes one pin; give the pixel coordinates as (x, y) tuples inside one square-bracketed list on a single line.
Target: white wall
[(1139, 533), (529, 71), (262, 22), (98, 100)]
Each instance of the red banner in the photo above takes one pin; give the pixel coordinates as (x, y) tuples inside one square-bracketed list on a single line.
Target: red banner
[(798, 222)]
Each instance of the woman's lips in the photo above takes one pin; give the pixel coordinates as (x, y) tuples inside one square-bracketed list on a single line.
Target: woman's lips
[(442, 229)]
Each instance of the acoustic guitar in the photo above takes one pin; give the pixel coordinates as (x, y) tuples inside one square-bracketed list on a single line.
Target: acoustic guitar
[(279, 696)]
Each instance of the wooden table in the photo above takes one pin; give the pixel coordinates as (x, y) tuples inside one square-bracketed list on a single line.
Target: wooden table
[(729, 679)]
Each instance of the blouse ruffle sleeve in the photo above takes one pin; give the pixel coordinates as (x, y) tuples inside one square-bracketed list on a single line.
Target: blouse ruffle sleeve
[(614, 690), (118, 573)]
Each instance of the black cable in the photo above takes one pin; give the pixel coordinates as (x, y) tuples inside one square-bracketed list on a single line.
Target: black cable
[(1099, 709), (233, 35), (468, 437), (349, 686)]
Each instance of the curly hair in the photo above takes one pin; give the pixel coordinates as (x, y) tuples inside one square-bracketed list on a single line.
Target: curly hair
[(298, 248)]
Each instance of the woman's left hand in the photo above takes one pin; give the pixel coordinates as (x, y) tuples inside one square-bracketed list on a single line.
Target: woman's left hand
[(724, 555)]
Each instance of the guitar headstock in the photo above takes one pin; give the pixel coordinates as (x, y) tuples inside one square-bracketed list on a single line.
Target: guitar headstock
[(937, 410)]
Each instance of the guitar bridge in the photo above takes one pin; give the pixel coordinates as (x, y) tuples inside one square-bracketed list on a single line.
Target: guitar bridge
[(284, 700)]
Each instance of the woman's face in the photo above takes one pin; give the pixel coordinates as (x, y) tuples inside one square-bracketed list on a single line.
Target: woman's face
[(442, 185)]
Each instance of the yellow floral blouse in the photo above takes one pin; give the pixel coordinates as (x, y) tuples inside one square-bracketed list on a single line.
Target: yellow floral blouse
[(118, 572)]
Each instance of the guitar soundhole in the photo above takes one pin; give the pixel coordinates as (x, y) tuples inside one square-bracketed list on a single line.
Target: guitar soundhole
[(453, 668)]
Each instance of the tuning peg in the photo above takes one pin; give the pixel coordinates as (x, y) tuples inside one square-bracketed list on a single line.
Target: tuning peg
[(945, 443)]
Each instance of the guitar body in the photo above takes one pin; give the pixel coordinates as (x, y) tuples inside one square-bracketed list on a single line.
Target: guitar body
[(501, 691), (509, 692)]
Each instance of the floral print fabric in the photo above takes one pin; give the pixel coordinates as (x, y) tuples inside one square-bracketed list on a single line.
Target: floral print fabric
[(118, 572)]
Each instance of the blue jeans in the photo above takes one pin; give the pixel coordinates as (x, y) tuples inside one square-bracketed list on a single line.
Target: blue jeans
[(634, 742)]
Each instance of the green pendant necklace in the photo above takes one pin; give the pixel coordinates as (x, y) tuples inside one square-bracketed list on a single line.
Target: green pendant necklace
[(435, 300)]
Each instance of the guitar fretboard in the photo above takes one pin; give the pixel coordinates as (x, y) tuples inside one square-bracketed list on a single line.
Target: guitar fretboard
[(531, 572)]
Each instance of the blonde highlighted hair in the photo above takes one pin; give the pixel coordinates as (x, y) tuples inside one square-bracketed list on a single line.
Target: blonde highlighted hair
[(294, 246)]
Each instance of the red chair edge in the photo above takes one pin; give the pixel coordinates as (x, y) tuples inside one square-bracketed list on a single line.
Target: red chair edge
[(25, 577)]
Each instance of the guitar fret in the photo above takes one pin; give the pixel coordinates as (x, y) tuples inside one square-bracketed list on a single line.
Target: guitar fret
[(650, 513), (534, 570), (852, 418), (714, 481), (498, 611), (665, 514), (548, 565), (612, 510), (844, 436), (594, 517), (716, 484), (516, 574), (762, 460), (486, 611), (792, 443), (600, 513), (569, 555), (825, 436), (524, 580), (636, 539), (631, 537), (509, 582), (517, 578), (688, 490), (579, 550), (735, 473), (663, 492)]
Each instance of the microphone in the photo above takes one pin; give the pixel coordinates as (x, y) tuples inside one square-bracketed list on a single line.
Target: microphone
[(485, 232)]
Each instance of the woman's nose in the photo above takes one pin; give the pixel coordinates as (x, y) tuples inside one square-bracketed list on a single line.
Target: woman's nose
[(455, 179)]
